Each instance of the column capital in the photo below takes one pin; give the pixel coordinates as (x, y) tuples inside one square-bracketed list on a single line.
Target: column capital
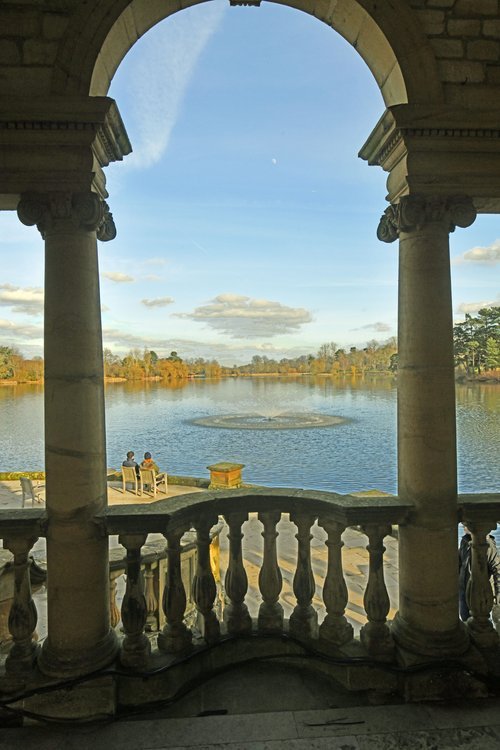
[(413, 212), (86, 211)]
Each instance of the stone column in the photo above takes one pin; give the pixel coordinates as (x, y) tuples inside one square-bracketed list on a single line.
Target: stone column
[(427, 622), (79, 635)]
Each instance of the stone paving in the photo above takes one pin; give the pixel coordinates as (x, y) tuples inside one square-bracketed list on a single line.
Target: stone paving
[(473, 726), (11, 495)]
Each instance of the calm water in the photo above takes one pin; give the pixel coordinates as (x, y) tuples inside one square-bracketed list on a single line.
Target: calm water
[(359, 454)]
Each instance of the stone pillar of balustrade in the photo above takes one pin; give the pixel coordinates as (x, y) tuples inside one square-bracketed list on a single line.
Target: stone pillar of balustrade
[(79, 635), (427, 623), (479, 590), (23, 616)]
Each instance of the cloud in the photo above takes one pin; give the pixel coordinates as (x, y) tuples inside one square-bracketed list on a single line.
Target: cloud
[(158, 302), (28, 300), (119, 278), (169, 56), (124, 339), (239, 316), (226, 353), (153, 262), (12, 331), (474, 307), (152, 277), (378, 327), (200, 247), (488, 255)]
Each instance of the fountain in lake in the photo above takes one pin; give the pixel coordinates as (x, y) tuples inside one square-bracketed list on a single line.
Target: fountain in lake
[(277, 421)]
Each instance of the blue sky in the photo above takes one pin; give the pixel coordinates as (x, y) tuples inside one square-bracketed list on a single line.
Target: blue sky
[(246, 221)]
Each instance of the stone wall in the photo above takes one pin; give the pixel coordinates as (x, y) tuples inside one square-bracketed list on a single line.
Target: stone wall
[(29, 42), (54, 46), (465, 37)]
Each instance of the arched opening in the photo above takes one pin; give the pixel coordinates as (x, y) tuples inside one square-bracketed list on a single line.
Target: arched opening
[(427, 418), (394, 49), (253, 191)]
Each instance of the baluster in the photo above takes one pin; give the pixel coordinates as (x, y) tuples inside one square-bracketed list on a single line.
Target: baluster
[(375, 635), (335, 628), (204, 586), (270, 618), (136, 646), (304, 618), (114, 612), (479, 592), (152, 619), (236, 615), (23, 615), (175, 636)]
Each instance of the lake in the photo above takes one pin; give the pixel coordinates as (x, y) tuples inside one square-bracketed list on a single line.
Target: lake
[(358, 454)]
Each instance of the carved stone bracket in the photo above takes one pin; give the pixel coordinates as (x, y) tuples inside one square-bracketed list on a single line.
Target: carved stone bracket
[(415, 211), (86, 211), (106, 230)]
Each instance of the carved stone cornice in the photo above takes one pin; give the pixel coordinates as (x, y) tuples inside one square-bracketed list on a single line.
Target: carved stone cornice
[(406, 135), (85, 211), (58, 143), (415, 211), (66, 121), (438, 150)]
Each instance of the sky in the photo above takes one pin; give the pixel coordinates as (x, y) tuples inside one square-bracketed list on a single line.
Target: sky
[(246, 221)]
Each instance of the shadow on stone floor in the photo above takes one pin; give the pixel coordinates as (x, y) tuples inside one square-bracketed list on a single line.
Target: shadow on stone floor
[(246, 690)]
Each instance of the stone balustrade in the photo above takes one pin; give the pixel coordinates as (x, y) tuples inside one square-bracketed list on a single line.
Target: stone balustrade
[(480, 513), (199, 513)]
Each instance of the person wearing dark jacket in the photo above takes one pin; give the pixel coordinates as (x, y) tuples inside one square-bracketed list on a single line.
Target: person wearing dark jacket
[(130, 461), (464, 568)]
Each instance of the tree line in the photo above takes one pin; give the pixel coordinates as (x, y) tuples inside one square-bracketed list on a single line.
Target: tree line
[(330, 360), (13, 366), (476, 347), (477, 342), (137, 365)]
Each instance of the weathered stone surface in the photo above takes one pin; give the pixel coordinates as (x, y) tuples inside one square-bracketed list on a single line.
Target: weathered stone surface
[(39, 52), (9, 52), (54, 25), (483, 50), (461, 71), (476, 8), (447, 47), (463, 27), (440, 3), (18, 23), (433, 21), (491, 28), (493, 74)]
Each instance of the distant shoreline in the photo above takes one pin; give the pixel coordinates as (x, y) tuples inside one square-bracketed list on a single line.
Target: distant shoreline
[(461, 379)]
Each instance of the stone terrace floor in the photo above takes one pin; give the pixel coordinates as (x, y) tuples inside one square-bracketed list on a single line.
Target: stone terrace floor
[(472, 726), (11, 495)]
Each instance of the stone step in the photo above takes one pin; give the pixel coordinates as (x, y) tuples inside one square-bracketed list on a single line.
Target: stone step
[(475, 726)]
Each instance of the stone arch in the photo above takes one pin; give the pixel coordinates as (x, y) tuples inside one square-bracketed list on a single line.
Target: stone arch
[(392, 44)]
